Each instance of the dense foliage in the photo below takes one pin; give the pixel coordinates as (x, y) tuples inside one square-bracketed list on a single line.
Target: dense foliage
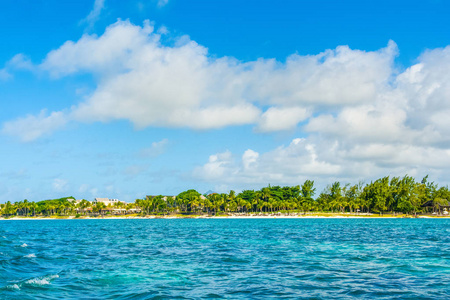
[(396, 194)]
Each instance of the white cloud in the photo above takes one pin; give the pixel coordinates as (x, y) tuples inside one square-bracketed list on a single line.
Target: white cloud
[(323, 161), (411, 111), (105, 54), (31, 127), (249, 159), (150, 84), (4, 74), (284, 165), (94, 14), (427, 158), (334, 77), (162, 3), (275, 118), (18, 62), (368, 122), (21, 62), (220, 165), (350, 100), (156, 149), (163, 30)]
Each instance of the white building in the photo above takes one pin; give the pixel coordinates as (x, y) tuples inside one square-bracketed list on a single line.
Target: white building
[(107, 201)]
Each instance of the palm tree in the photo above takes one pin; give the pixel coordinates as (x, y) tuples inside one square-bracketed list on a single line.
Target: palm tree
[(33, 206), (62, 208), (263, 197), (130, 206), (208, 204), (53, 208), (216, 201), (231, 197), (254, 203), (83, 205), (271, 203), (261, 204), (9, 209), (19, 205), (98, 207), (194, 202), (232, 206), (139, 203), (25, 206), (241, 203)]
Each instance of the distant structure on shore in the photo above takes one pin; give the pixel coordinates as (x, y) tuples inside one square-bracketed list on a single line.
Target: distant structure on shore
[(107, 201), (165, 198)]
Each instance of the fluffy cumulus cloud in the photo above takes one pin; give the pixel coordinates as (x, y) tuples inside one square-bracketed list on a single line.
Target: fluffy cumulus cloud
[(399, 127), (150, 83), (290, 164), (335, 77), (275, 118), (359, 114), (323, 161)]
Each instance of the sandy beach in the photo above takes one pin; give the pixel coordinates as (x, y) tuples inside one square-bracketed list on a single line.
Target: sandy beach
[(310, 216)]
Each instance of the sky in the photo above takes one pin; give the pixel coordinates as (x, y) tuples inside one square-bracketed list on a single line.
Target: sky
[(123, 99)]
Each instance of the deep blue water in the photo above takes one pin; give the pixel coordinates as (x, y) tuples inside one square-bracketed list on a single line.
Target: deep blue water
[(217, 258)]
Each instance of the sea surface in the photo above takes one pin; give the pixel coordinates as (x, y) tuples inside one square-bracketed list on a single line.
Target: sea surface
[(225, 258)]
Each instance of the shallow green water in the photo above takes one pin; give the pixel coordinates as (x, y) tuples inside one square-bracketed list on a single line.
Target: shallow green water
[(237, 258)]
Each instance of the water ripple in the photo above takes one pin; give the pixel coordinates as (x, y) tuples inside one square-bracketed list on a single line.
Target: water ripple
[(257, 259)]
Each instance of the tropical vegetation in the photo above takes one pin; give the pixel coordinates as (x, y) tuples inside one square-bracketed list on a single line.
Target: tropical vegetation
[(384, 195)]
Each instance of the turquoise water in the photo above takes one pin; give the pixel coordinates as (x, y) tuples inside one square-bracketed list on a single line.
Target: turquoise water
[(217, 258)]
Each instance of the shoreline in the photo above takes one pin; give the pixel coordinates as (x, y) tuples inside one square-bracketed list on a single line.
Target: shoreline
[(312, 216)]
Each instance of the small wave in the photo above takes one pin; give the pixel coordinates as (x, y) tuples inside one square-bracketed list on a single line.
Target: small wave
[(30, 255), (24, 245), (13, 287), (41, 280), (38, 281)]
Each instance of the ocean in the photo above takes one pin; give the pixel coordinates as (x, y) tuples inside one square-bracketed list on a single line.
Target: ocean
[(225, 258)]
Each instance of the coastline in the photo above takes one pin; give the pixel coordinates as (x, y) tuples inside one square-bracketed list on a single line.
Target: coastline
[(312, 216)]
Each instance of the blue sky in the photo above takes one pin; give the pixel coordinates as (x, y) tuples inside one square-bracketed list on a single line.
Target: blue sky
[(126, 98)]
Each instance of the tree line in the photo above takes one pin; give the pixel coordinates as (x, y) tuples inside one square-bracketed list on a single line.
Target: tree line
[(396, 194), (63, 207)]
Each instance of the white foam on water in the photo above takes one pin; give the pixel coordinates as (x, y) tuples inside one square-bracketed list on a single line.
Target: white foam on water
[(13, 287), (38, 281), (30, 255), (41, 280), (24, 245)]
